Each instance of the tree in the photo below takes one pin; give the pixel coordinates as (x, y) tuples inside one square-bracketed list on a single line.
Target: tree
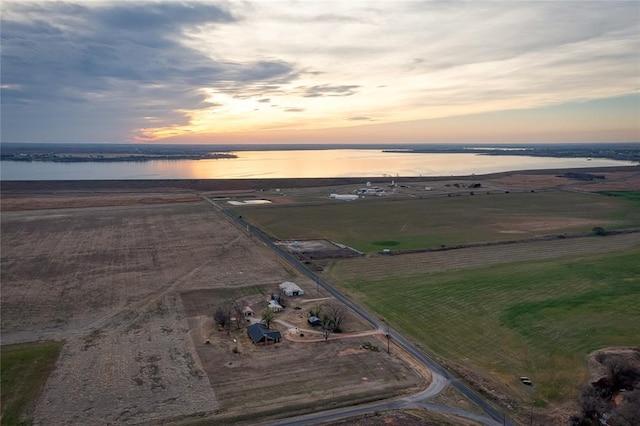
[(335, 314), (268, 316), (622, 373), (598, 230), (593, 404), (238, 307), (316, 310), (222, 316), (327, 326)]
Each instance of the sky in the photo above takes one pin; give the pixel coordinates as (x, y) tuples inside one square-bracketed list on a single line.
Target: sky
[(320, 71)]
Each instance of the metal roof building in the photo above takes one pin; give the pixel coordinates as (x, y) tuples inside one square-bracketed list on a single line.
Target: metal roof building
[(291, 289)]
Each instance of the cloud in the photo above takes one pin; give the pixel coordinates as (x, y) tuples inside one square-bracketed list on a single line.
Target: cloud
[(109, 70), (122, 62), (161, 17), (328, 90)]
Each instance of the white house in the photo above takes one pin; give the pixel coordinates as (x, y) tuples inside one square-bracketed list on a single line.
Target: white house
[(291, 289)]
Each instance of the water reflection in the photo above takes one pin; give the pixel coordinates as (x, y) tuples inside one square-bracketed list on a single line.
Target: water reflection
[(296, 164), (362, 163)]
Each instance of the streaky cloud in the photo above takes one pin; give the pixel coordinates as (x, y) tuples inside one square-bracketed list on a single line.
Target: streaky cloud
[(126, 60)]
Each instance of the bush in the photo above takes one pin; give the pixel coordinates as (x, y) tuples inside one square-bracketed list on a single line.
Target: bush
[(598, 230), (368, 346)]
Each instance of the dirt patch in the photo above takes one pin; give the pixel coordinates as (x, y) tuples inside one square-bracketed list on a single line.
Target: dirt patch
[(282, 200), (16, 202), (309, 250), (483, 383), (138, 370), (254, 379), (405, 418), (625, 178), (351, 351), (518, 225)]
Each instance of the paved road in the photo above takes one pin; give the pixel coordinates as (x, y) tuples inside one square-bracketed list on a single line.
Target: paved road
[(441, 377)]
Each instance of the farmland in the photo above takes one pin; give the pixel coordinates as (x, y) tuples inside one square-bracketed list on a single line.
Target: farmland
[(538, 318), (533, 307), (116, 284), (403, 224), (126, 280)]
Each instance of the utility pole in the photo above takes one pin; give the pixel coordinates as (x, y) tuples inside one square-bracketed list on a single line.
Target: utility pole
[(388, 336)]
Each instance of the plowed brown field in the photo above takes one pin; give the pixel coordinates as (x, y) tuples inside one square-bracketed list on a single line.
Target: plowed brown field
[(109, 280)]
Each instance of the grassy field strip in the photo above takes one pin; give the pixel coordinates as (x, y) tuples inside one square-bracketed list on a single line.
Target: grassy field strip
[(535, 318), (24, 371), (408, 224), (377, 267)]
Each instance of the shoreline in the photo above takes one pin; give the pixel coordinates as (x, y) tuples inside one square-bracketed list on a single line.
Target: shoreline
[(18, 186)]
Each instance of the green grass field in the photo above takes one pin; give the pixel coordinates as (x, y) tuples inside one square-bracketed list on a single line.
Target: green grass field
[(537, 318), (631, 195), (533, 318), (371, 225), (24, 370)]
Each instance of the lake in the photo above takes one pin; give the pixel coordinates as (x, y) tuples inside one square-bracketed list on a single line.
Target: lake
[(297, 164)]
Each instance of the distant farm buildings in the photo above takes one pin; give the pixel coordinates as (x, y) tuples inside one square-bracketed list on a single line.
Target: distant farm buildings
[(291, 289), (261, 335), (344, 197), (373, 190)]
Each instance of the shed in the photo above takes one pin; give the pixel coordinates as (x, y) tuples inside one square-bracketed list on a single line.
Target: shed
[(247, 311), (314, 321), (275, 306), (261, 335), (291, 289)]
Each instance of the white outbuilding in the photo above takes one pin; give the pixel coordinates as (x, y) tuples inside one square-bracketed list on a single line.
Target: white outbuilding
[(291, 289), (344, 197), (275, 306)]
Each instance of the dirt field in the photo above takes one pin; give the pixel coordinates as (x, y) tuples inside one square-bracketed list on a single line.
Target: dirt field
[(258, 379), (14, 202), (113, 283)]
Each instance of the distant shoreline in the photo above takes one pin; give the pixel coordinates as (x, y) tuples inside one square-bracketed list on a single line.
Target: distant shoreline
[(109, 158), (180, 185), (112, 153), (622, 154)]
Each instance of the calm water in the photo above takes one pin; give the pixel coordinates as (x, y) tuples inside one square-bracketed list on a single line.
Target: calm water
[(296, 164)]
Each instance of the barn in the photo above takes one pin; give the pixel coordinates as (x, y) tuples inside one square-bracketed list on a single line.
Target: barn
[(291, 289)]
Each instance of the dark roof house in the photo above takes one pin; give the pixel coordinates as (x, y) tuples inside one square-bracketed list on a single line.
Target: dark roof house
[(261, 334)]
